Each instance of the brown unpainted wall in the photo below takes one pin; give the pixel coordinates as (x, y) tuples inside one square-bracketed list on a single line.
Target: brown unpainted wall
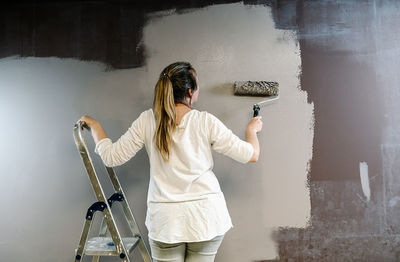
[(103, 31), (348, 52)]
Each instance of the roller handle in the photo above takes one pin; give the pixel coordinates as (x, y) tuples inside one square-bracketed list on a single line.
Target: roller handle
[(256, 109)]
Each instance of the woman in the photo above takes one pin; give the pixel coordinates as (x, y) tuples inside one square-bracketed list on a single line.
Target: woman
[(186, 215)]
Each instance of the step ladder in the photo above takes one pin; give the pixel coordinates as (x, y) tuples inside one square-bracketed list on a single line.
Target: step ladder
[(115, 245)]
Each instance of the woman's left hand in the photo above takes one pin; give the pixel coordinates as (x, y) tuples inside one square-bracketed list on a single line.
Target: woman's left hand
[(90, 122)]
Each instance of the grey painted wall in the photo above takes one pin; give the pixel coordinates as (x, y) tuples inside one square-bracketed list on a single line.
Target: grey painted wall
[(45, 181)]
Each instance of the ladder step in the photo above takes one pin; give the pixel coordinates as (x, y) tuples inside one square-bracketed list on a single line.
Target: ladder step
[(104, 246)]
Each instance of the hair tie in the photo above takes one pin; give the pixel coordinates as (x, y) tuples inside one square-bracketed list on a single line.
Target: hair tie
[(164, 74)]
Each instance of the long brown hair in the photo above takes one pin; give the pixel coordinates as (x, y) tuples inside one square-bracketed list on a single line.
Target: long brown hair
[(172, 88)]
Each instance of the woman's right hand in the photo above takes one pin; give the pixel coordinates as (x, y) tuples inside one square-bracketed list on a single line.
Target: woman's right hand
[(255, 124)]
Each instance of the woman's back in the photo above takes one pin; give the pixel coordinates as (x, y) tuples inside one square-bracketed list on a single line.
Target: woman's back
[(187, 175), (185, 203)]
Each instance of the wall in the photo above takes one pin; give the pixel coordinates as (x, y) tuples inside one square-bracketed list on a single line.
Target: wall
[(349, 56), (47, 95), (325, 188)]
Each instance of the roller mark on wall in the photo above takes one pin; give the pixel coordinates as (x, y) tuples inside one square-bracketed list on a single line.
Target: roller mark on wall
[(394, 201), (365, 180)]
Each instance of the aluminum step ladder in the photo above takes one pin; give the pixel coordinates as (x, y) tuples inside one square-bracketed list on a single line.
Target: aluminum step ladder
[(115, 245)]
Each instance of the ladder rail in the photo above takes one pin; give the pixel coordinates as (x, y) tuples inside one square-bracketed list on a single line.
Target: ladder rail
[(108, 221), (130, 218), (82, 242), (98, 190)]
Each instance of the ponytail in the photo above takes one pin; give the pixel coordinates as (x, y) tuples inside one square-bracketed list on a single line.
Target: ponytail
[(171, 88), (165, 115)]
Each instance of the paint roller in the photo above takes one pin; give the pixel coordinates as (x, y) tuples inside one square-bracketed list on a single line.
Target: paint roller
[(257, 88)]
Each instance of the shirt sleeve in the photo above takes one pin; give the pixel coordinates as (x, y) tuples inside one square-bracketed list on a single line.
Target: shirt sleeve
[(224, 141), (126, 147)]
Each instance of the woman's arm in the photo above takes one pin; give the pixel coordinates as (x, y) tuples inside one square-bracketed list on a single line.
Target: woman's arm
[(224, 141), (116, 154), (254, 126), (98, 132)]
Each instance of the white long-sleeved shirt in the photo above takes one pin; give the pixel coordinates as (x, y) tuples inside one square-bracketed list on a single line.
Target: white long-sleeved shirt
[(185, 202)]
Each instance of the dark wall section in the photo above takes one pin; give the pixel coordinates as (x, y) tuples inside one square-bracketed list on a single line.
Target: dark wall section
[(339, 76), (105, 31), (337, 53), (339, 43)]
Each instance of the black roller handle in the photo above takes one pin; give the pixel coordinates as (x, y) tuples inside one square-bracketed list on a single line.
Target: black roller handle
[(256, 109)]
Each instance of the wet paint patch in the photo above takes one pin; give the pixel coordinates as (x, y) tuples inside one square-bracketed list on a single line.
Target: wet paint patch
[(272, 193)]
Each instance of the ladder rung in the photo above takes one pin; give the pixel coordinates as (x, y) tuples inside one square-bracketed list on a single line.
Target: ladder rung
[(103, 246)]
